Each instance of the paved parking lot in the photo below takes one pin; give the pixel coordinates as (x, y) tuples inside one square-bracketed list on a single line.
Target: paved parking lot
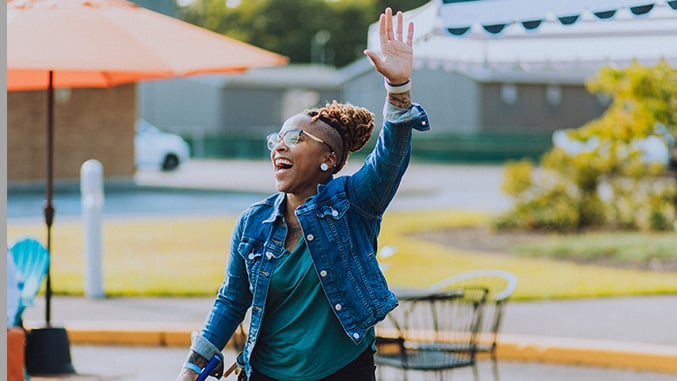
[(228, 187)]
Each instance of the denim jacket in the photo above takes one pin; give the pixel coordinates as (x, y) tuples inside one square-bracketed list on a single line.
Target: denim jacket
[(340, 223)]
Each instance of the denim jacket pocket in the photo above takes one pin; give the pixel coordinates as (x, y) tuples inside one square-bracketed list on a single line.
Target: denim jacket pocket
[(333, 219), (251, 253)]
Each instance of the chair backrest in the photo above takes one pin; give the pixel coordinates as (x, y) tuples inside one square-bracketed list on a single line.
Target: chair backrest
[(32, 261), (239, 338), (438, 331), (499, 284)]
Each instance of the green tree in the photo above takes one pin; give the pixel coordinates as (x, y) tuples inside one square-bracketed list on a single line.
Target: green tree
[(637, 195), (397, 5), (332, 32)]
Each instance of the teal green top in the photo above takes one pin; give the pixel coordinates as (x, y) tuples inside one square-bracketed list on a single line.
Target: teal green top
[(301, 339)]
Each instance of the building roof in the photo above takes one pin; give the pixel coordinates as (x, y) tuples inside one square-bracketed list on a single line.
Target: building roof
[(580, 48), (289, 76)]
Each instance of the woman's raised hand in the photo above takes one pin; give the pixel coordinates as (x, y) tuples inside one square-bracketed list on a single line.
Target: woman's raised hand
[(395, 59)]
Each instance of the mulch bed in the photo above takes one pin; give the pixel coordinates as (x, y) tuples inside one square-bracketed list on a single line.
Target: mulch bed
[(485, 240)]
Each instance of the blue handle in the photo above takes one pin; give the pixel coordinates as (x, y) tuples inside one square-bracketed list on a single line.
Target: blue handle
[(211, 365)]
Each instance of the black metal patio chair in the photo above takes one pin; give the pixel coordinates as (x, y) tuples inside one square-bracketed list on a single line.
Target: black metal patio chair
[(431, 332), (500, 285)]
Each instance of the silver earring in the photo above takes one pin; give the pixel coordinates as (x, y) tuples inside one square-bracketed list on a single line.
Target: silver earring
[(324, 167)]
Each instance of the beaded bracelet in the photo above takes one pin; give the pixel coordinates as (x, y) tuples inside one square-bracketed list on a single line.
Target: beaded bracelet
[(397, 89), (193, 367)]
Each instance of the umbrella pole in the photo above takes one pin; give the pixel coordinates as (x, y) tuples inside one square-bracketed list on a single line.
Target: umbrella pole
[(48, 349), (49, 208)]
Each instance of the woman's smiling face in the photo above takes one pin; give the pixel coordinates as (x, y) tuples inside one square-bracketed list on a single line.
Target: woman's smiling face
[(297, 165)]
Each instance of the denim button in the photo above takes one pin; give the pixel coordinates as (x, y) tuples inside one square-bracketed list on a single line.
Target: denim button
[(269, 254), (334, 213), (310, 237), (323, 273), (337, 307), (356, 335), (251, 256)]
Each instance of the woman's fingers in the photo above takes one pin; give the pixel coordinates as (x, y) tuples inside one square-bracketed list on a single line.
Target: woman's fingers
[(410, 34), (394, 58), (388, 34), (386, 31), (389, 24), (400, 22), (382, 34)]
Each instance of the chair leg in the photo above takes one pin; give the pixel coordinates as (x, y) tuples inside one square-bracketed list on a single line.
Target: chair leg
[(382, 372), (494, 366), (475, 372)]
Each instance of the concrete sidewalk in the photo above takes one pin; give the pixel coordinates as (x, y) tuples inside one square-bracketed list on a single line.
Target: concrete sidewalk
[(645, 320), (617, 333), (115, 363)]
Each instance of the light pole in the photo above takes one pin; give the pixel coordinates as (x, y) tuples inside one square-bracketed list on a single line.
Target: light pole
[(318, 46)]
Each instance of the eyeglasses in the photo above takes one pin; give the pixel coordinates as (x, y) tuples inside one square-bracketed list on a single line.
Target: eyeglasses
[(291, 138)]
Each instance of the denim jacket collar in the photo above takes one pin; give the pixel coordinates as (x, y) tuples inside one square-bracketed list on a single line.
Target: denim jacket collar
[(276, 211)]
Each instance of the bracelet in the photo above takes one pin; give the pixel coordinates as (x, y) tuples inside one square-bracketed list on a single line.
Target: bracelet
[(193, 367), (197, 359), (397, 89)]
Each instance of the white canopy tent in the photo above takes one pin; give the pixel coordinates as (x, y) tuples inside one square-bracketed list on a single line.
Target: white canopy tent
[(542, 35)]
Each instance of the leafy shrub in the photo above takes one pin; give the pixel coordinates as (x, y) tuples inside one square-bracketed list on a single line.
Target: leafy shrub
[(609, 185), (543, 201)]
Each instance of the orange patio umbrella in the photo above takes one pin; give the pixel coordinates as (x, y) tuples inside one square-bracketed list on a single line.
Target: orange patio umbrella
[(103, 43)]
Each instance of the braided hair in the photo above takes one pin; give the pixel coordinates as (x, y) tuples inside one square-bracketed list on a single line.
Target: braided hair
[(354, 124)]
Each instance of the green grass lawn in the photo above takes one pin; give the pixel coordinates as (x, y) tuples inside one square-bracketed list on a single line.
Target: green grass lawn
[(186, 256)]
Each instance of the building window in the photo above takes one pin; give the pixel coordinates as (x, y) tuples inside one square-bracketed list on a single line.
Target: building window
[(509, 94), (553, 95)]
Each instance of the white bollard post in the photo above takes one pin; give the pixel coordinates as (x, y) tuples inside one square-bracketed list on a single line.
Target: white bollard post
[(91, 191)]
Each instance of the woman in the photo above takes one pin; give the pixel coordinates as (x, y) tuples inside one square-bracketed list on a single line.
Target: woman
[(304, 259)]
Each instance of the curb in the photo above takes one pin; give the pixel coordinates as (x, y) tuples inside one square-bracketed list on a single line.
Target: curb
[(586, 352), (132, 333), (510, 347)]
